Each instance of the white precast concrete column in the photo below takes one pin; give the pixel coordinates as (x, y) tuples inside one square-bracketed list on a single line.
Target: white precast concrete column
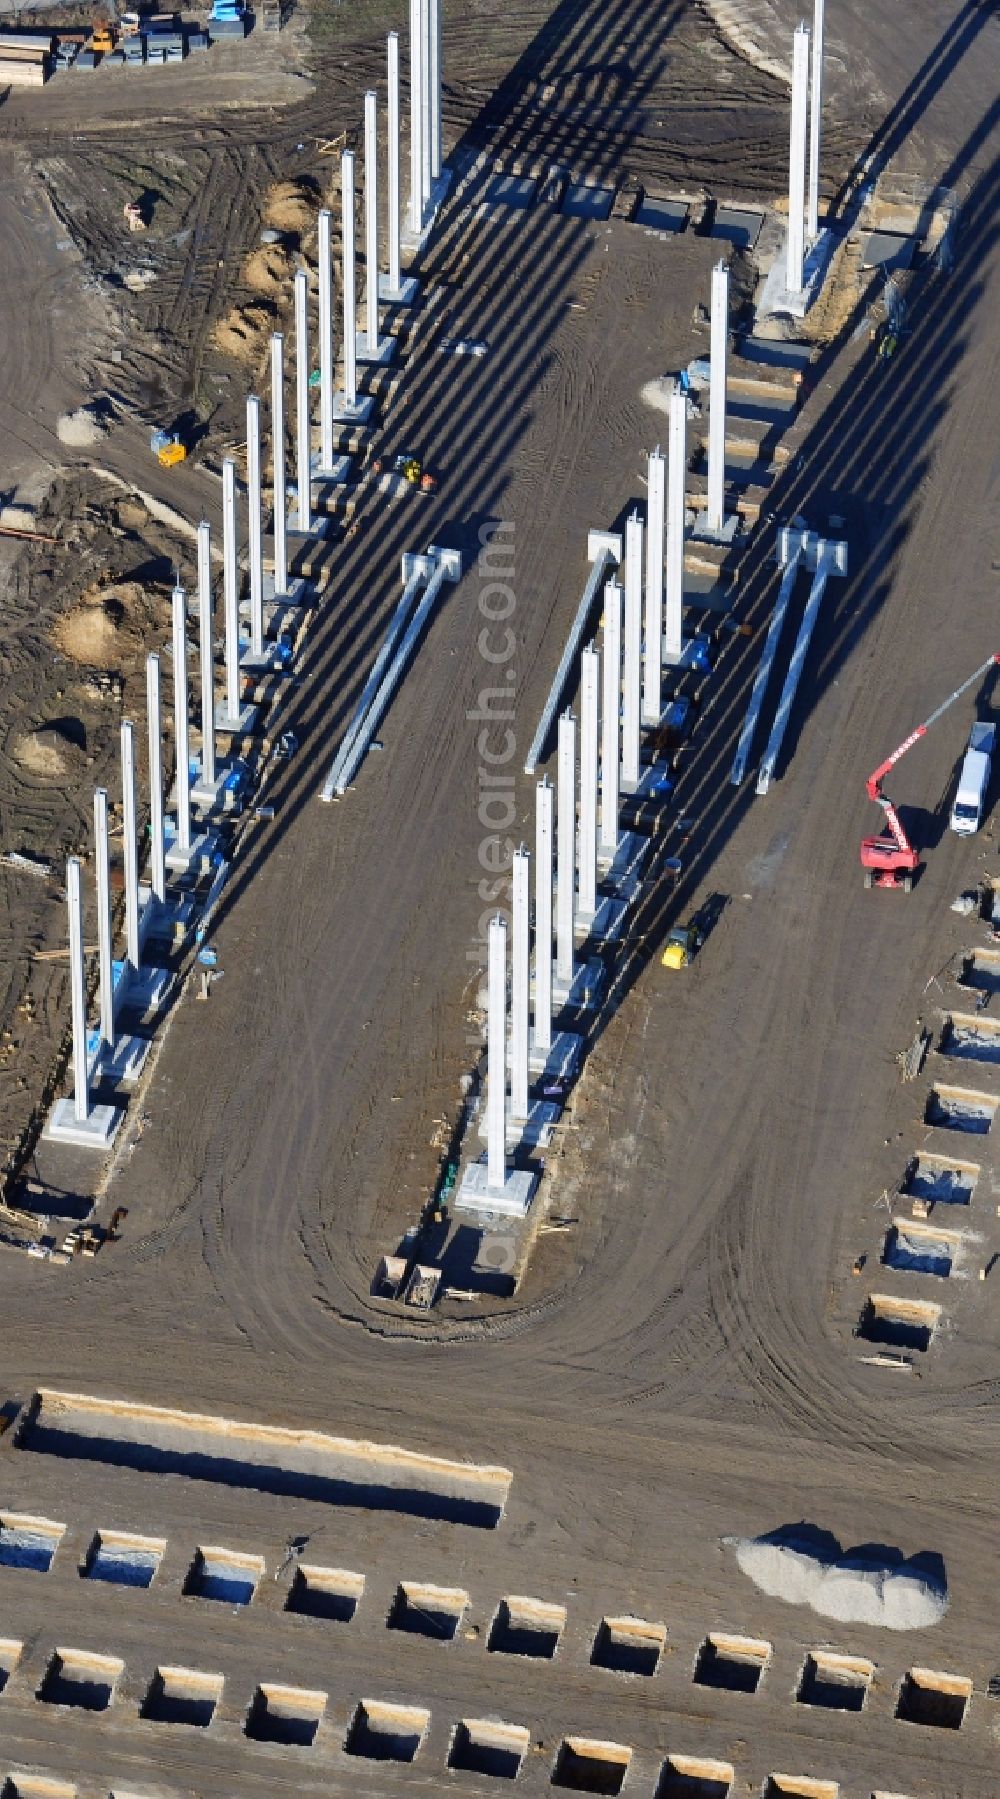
[(102, 864), (590, 680), (652, 664), (676, 472), (154, 730), (717, 398), (565, 849), (371, 224), (496, 1057), (425, 104), (797, 158), (815, 123), (205, 654), (324, 255), (543, 916), (434, 82), (81, 1086), (130, 851), (231, 591), (392, 171), (182, 745), (631, 724), (416, 119), (611, 703), (520, 982), (349, 279), (278, 463), (303, 458), (255, 528)]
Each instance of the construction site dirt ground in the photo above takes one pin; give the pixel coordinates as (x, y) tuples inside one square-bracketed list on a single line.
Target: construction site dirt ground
[(679, 1368)]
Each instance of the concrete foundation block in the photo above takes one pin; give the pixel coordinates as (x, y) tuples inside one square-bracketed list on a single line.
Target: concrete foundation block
[(533, 1132), (557, 1063), (628, 860), (585, 988), (512, 1200), (97, 1131), (243, 725), (124, 1064), (378, 356), (599, 541), (344, 413), (406, 294), (150, 991), (196, 859)]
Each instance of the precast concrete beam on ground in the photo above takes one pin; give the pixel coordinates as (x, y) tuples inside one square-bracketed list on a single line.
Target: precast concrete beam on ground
[(76, 1121), (797, 159), (611, 724), (673, 633), (446, 565), (715, 510), (828, 562), (417, 577), (761, 679), (604, 549), (652, 665), (632, 658)]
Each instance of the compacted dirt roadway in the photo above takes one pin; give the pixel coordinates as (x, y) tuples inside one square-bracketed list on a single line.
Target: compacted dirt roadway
[(681, 1368)]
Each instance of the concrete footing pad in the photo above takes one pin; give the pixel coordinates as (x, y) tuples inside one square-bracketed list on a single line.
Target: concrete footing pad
[(585, 988), (533, 1132), (124, 1064), (560, 1061), (196, 859), (777, 299), (378, 357), (338, 472), (97, 1131), (222, 794), (406, 294), (511, 1200), (628, 860), (243, 725), (730, 525), (149, 991), (171, 922), (344, 413), (608, 921), (654, 783)]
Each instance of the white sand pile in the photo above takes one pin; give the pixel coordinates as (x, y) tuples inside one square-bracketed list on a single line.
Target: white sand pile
[(80, 429), (873, 1585)]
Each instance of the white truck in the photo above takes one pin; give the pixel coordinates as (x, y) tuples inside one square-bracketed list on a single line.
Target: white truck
[(967, 812)]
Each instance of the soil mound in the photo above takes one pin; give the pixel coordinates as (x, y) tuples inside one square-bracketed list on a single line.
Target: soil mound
[(49, 753), (80, 429), (290, 206), (243, 335), (873, 1584), (267, 270), (108, 628)]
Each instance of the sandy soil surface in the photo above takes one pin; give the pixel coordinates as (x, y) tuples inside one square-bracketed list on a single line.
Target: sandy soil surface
[(681, 1367)]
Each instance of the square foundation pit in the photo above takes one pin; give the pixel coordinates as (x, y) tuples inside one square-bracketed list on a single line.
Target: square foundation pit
[(386, 1733), (332, 1593), (489, 1747), (913, 1248), (290, 1716), (36, 1786), (628, 1646), (182, 1696), (960, 1109), (10, 1655), (733, 1664), (840, 1683), (694, 1777), (939, 1701), (588, 1765), (941, 1180), (971, 1038), (224, 1575), (528, 1627), (898, 1323), (28, 1542), (799, 1786), (78, 1678), (122, 1559), (428, 1611)]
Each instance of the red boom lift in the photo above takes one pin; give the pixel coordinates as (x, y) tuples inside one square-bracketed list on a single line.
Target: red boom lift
[(890, 858)]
